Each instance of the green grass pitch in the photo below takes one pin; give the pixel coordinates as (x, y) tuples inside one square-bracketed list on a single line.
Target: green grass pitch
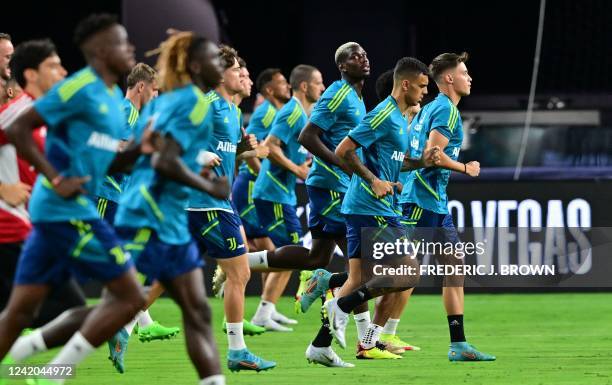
[(538, 339)]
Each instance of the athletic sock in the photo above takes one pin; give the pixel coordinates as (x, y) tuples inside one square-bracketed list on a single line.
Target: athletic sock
[(455, 326), (75, 351), (264, 310), (337, 280), (323, 338), (371, 336), (356, 298), (144, 319), (258, 259), (27, 346), (129, 327), (362, 322), (235, 337), (391, 326), (217, 379)]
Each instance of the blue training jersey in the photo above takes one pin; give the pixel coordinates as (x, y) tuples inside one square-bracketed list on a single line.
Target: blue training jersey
[(338, 111), (84, 120), (275, 183), (113, 185), (152, 200), (226, 135), (383, 136), (259, 125), (427, 187)]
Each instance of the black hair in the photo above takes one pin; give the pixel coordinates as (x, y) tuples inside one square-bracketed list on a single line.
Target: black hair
[(266, 77), (91, 25), (409, 66), (384, 85), (29, 55)]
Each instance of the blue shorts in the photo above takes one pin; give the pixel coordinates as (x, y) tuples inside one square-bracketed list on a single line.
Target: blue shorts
[(280, 221), (156, 260), (107, 210), (242, 198), (325, 219), (428, 225), (55, 251), (355, 223), (217, 232)]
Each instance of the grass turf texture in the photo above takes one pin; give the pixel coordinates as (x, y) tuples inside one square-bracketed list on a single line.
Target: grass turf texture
[(538, 339)]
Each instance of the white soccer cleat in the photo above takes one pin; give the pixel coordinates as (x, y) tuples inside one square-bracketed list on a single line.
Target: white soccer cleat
[(326, 357), (271, 325), (282, 319), (337, 321)]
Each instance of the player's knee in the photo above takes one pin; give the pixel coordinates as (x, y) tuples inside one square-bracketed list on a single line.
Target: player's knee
[(239, 276)]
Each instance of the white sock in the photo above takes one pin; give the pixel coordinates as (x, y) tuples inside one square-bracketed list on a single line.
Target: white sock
[(144, 319), (258, 259), (264, 310), (130, 326), (362, 321), (75, 351), (391, 326), (371, 336), (27, 346), (235, 336), (217, 379)]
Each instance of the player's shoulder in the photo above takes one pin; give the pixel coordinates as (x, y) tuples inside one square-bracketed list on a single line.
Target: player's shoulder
[(186, 102), (382, 113), (11, 110), (441, 105), (336, 95), (83, 83)]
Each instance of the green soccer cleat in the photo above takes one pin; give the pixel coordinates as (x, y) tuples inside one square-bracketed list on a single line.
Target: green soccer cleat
[(117, 347), (462, 351), (248, 329), (244, 360), (156, 331), (395, 342), (304, 277), (378, 352), (314, 288)]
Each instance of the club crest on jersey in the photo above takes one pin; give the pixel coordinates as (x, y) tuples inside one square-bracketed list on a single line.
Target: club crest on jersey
[(226, 147), (398, 155), (103, 142)]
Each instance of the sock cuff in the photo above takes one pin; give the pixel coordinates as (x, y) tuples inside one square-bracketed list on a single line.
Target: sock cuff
[(80, 339), (364, 315), (217, 379), (258, 259)]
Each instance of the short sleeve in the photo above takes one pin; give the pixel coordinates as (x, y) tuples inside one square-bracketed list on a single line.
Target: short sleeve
[(184, 118), (281, 129), (444, 120), (57, 106), (331, 105)]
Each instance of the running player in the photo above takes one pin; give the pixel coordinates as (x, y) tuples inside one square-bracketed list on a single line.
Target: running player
[(424, 200), (214, 224), (83, 115), (36, 66), (369, 201), (275, 89), (151, 216), (274, 190)]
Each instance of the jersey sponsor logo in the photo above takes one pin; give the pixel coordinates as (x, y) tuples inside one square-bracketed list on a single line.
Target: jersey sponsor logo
[(456, 152), (226, 147), (103, 142), (414, 143), (398, 155)]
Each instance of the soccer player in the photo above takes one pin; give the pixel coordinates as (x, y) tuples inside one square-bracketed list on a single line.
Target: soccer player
[(83, 116), (424, 200), (369, 201), (6, 51), (212, 220), (275, 89), (36, 66), (274, 191)]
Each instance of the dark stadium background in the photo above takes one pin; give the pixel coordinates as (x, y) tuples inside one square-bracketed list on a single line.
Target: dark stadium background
[(574, 74)]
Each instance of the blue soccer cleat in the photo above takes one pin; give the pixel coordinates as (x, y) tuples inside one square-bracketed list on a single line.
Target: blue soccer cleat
[(462, 351), (117, 347), (244, 360), (313, 288)]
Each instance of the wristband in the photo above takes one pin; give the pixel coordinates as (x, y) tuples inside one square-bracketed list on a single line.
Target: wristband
[(465, 168)]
